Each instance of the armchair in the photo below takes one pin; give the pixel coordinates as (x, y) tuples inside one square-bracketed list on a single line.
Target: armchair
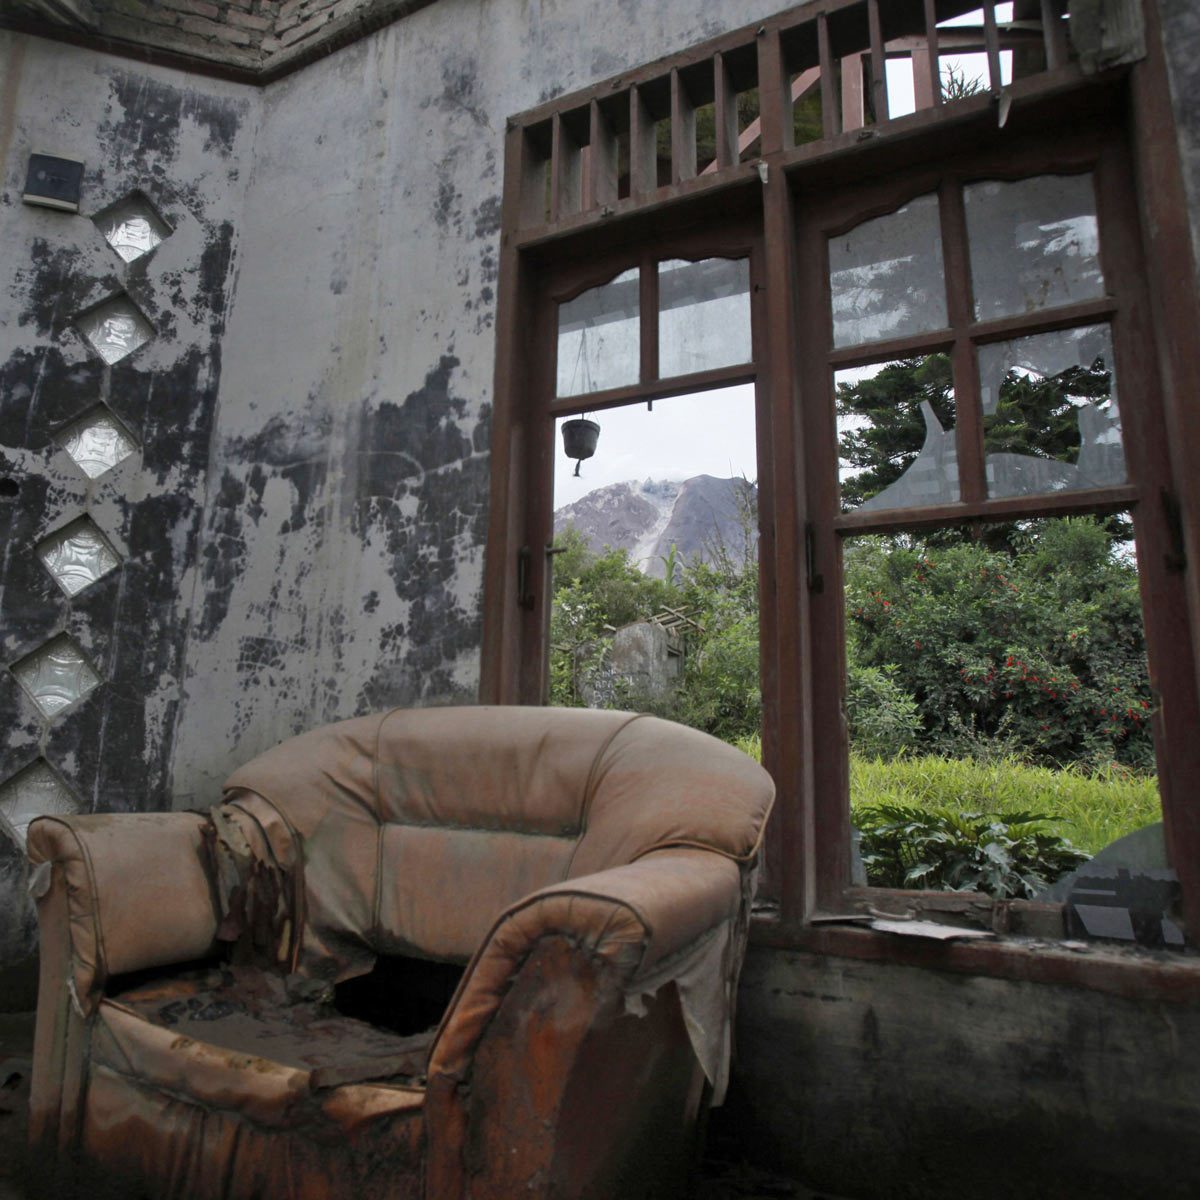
[(589, 873)]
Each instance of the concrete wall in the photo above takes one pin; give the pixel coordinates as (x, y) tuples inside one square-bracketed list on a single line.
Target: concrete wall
[(894, 1083), (344, 539), (183, 143)]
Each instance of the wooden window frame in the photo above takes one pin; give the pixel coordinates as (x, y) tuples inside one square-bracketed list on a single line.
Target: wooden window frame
[(773, 207)]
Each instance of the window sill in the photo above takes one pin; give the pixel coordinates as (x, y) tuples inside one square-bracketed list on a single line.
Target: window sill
[(1133, 973)]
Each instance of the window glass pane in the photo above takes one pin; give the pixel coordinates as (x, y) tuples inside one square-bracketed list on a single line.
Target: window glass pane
[(1050, 419), (993, 673), (895, 423), (598, 338), (704, 315), (1034, 244), (886, 277)]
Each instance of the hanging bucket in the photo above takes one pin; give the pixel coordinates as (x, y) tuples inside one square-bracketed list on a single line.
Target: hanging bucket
[(579, 439)]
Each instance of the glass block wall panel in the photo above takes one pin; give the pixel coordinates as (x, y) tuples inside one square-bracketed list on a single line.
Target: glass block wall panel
[(899, 414), (132, 227), (599, 345), (34, 792), (1034, 244), (886, 276), (1050, 417), (115, 329), (96, 442), (56, 675), (78, 555), (703, 315)]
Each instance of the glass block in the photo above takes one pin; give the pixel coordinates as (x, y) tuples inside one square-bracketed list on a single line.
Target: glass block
[(96, 442), (899, 414), (56, 675), (886, 276), (1050, 416), (132, 227), (1034, 244), (78, 555), (703, 315), (115, 329), (599, 345), (34, 792)]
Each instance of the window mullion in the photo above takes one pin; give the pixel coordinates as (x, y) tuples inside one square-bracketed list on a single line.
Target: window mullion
[(648, 305), (968, 417)]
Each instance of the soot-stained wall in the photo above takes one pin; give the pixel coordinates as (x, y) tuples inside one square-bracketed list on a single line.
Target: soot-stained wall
[(184, 145), (343, 544)]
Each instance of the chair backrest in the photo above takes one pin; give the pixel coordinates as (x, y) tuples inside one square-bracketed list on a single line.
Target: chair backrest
[(420, 826)]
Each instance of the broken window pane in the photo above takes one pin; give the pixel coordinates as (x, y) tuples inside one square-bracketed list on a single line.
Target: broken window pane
[(886, 276), (1050, 418), (599, 346), (96, 442), (34, 792), (895, 423), (115, 329), (998, 704), (78, 556), (56, 675), (1034, 244), (704, 314)]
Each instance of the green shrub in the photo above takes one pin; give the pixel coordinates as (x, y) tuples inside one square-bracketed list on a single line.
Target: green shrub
[(904, 846), (884, 719)]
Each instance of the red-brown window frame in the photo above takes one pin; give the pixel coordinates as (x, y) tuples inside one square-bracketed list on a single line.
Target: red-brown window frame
[(1138, 102)]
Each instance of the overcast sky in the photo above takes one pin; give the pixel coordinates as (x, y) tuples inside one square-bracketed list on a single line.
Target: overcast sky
[(707, 434)]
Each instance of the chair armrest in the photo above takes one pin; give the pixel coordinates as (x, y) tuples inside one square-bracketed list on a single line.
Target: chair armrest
[(552, 1074), (131, 888), (635, 917)]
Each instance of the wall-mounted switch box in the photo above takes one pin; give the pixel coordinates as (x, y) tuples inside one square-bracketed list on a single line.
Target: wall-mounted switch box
[(54, 182)]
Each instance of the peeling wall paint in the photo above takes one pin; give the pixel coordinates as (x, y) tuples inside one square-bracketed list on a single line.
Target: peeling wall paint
[(343, 543), (181, 144)]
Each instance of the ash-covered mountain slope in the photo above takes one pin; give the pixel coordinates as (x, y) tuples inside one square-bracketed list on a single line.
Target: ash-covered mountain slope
[(696, 516)]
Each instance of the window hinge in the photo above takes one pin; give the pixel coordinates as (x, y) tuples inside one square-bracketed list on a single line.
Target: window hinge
[(1176, 556), (816, 583)]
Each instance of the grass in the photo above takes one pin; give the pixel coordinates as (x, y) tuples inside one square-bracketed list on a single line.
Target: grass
[(1090, 809)]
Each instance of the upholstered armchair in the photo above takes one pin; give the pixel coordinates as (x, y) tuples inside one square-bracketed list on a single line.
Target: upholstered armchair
[(561, 896)]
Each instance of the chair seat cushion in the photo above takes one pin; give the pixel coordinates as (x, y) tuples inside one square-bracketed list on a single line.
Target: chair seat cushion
[(221, 1075)]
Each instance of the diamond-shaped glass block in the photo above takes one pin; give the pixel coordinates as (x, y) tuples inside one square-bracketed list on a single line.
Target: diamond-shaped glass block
[(78, 555), (56, 675), (132, 227), (115, 328), (34, 792), (96, 442)]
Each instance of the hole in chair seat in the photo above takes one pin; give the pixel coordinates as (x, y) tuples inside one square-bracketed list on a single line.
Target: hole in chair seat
[(402, 995)]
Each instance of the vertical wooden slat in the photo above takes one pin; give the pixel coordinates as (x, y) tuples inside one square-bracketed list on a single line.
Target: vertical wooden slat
[(774, 95), (879, 98), (829, 115), (602, 160), (991, 42), (933, 61), (529, 181), (854, 111), (683, 131), (565, 171), (724, 113), (643, 154), (968, 417), (648, 319), (1054, 35), (922, 88)]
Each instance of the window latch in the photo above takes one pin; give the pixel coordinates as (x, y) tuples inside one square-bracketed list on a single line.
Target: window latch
[(1176, 557), (816, 583), (524, 578)]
